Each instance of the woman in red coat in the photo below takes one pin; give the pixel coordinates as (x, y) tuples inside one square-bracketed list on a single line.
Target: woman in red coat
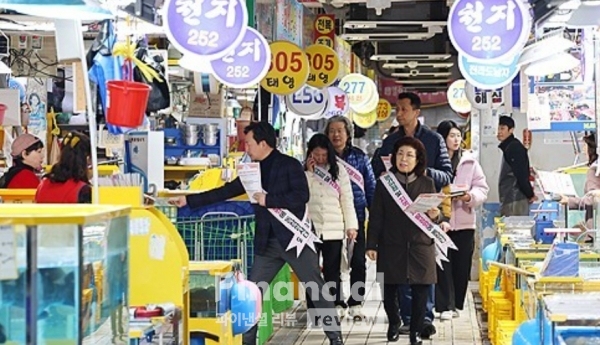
[(28, 155)]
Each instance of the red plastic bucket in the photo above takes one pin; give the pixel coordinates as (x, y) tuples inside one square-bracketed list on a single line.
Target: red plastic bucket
[(126, 103), (3, 108)]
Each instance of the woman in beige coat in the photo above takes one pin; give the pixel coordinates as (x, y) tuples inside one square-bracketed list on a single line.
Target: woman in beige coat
[(331, 209)]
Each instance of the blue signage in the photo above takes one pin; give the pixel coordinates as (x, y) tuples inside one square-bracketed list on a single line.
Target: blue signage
[(488, 76)]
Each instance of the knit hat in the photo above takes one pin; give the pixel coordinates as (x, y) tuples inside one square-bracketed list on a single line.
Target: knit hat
[(22, 143)]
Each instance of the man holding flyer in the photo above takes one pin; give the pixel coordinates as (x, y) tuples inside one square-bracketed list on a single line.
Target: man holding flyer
[(283, 231)]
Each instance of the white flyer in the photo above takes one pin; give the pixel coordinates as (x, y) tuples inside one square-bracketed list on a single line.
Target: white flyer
[(8, 251), (426, 202), (387, 162), (249, 174)]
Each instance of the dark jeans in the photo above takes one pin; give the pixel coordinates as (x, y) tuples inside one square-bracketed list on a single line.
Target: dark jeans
[(405, 303), (358, 274), (332, 261), (453, 281), (418, 307), (306, 268)]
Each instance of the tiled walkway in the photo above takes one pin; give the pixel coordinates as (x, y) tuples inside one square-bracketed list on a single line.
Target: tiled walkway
[(460, 331)]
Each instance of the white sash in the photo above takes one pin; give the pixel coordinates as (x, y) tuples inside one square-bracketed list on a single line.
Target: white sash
[(355, 175), (302, 229), (325, 177), (432, 230)]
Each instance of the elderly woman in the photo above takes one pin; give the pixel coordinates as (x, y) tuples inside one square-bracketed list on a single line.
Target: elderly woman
[(405, 254)]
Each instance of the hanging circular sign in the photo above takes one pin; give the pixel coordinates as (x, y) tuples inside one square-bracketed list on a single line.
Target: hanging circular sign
[(479, 98), (324, 65), (324, 24), (384, 110), (247, 64), (487, 75), (288, 71), (205, 28), (457, 99), (337, 103), (307, 101), (359, 88), (365, 121), (369, 107), (490, 30)]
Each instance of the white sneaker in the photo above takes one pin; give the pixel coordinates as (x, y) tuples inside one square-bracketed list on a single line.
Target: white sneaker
[(341, 311), (446, 315), (455, 314), (356, 312)]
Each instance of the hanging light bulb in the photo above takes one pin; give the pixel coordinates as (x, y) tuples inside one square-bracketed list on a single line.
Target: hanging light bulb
[(560, 62)]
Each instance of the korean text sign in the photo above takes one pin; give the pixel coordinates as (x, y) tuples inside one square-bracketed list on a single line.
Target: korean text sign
[(324, 65), (288, 71)]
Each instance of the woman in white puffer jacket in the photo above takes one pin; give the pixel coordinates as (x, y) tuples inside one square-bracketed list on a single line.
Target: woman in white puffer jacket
[(331, 209)]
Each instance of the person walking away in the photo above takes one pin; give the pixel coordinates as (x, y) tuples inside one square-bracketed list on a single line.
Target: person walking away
[(27, 152), (286, 190), (356, 163), (408, 109), (453, 280), (331, 209), (514, 189), (405, 254)]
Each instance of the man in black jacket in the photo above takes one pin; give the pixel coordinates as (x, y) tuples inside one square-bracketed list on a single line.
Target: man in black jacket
[(286, 188), (514, 189)]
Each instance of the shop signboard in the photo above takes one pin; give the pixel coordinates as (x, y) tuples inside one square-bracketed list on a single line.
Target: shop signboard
[(561, 108), (490, 30), (389, 89), (207, 29), (457, 97), (384, 110), (307, 101), (487, 75), (289, 69), (324, 66), (360, 90), (247, 64), (344, 52), (289, 21), (337, 103), (325, 30)]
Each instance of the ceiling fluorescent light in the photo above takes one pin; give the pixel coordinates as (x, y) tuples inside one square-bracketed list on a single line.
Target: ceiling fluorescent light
[(409, 36), (416, 64), (364, 24), (555, 64), (410, 57), (544, 48), (588, 14), (424, 81), (416, 73)]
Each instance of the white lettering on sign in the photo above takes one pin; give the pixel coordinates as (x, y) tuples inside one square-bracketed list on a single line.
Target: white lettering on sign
[(247, 48), (504, 12), (203, 38), (472, 16), (489, 71), (191, 10), (223, 8), (486, 43)]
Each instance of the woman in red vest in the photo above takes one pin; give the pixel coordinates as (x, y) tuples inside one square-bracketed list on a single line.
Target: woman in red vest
[(28, 155), (68, 182)]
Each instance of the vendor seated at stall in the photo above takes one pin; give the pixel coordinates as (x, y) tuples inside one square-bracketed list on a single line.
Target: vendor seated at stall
[(68, 181), (591, 187), (28, 155)]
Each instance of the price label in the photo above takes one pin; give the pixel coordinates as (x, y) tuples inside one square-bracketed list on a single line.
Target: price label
[(457, 97), (307, 101), (324, 65), (288, 71), (384, 110), (360, 90)]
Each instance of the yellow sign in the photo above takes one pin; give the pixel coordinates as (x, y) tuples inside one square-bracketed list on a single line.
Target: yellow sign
[(325, 25), (324, 66), (289, 69), (384, 110), (365, 121), (325, 40)]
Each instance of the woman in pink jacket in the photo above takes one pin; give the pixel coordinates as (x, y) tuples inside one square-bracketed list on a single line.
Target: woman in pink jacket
[(452, 283)]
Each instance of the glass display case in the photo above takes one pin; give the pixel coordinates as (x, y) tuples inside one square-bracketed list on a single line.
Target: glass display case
[(63, 274)]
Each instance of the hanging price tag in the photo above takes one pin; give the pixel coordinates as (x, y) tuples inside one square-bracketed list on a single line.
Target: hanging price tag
[(324, 65), (289, 69)]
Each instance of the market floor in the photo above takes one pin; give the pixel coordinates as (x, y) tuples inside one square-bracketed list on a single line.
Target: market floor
[(460, 331)]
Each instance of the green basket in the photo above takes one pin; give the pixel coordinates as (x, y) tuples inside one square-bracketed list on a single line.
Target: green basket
[(282, 303)]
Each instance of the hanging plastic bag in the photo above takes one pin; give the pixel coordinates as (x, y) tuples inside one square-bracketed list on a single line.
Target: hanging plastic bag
[(159, 95), (246, 304)]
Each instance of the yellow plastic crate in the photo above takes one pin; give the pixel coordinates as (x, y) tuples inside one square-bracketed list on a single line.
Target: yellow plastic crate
[(500, 309), (504, 332)]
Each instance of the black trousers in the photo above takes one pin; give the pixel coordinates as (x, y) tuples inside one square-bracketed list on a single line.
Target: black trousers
[(419, 294), (358, 264), (332, 262), (453, 281), (306, 267)]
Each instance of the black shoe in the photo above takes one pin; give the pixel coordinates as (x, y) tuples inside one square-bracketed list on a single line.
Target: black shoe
[(428, 331), (336, 341), (393, 333), (415, 339), (404, 329)]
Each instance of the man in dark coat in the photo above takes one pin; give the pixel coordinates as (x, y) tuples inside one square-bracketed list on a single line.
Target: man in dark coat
[(286, 187)]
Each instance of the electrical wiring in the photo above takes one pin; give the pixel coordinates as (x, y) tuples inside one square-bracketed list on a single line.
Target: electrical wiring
[(20, 56)]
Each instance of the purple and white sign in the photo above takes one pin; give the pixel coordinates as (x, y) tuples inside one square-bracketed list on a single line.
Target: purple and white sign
[(488, 76), (490, 30), (205, 28), (247, 64)]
